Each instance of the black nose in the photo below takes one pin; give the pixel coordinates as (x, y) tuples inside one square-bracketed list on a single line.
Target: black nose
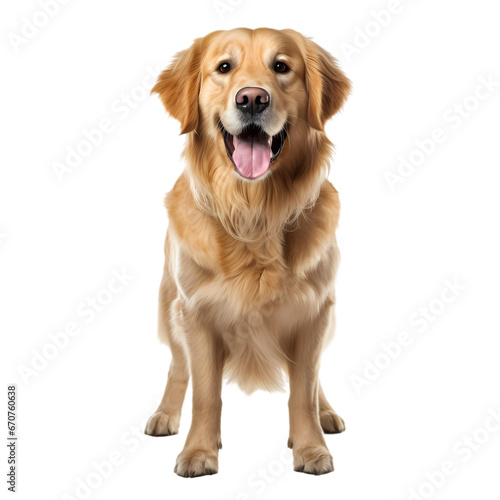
[(252, 100)]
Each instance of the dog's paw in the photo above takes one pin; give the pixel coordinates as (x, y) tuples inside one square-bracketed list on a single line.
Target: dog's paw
[(313, 460), (162, 424), (331, 423), (194, 463)]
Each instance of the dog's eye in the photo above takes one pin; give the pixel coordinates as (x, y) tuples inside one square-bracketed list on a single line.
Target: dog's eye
[(224, 67), (281, 67)]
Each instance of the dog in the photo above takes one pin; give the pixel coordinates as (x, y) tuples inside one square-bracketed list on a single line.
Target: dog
[(250, 251)]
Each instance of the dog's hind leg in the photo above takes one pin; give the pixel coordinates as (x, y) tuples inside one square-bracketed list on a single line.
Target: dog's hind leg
[(331, 423)]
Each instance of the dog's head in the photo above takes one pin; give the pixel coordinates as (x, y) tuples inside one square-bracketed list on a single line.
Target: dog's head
[(254, 94)]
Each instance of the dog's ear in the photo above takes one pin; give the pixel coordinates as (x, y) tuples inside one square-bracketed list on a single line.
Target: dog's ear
[(179, 85), (327, 85)]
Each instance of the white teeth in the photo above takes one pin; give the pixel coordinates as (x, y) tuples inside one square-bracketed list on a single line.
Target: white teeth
[(270, 141)]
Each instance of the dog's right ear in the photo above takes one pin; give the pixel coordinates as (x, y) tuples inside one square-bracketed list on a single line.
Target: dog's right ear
[(179, 86)]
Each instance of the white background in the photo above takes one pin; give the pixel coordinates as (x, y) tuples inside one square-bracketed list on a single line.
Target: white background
[(61, 240)]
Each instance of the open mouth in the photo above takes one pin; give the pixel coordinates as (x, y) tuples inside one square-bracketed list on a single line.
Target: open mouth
[(253, 151)]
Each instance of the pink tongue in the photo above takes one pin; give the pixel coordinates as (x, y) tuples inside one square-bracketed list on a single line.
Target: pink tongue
[(252, 156)]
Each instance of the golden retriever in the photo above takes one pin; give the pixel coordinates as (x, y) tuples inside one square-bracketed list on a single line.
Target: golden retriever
[(250, 252)]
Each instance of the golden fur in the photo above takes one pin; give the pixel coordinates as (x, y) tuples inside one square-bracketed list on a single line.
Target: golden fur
[(248, 285)]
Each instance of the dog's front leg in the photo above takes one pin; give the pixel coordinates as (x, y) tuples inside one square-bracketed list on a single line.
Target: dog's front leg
[(310, 453), (206, 358)]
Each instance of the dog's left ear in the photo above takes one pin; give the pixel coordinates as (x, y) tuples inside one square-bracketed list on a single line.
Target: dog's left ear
[(179, 85), (327, 85)]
